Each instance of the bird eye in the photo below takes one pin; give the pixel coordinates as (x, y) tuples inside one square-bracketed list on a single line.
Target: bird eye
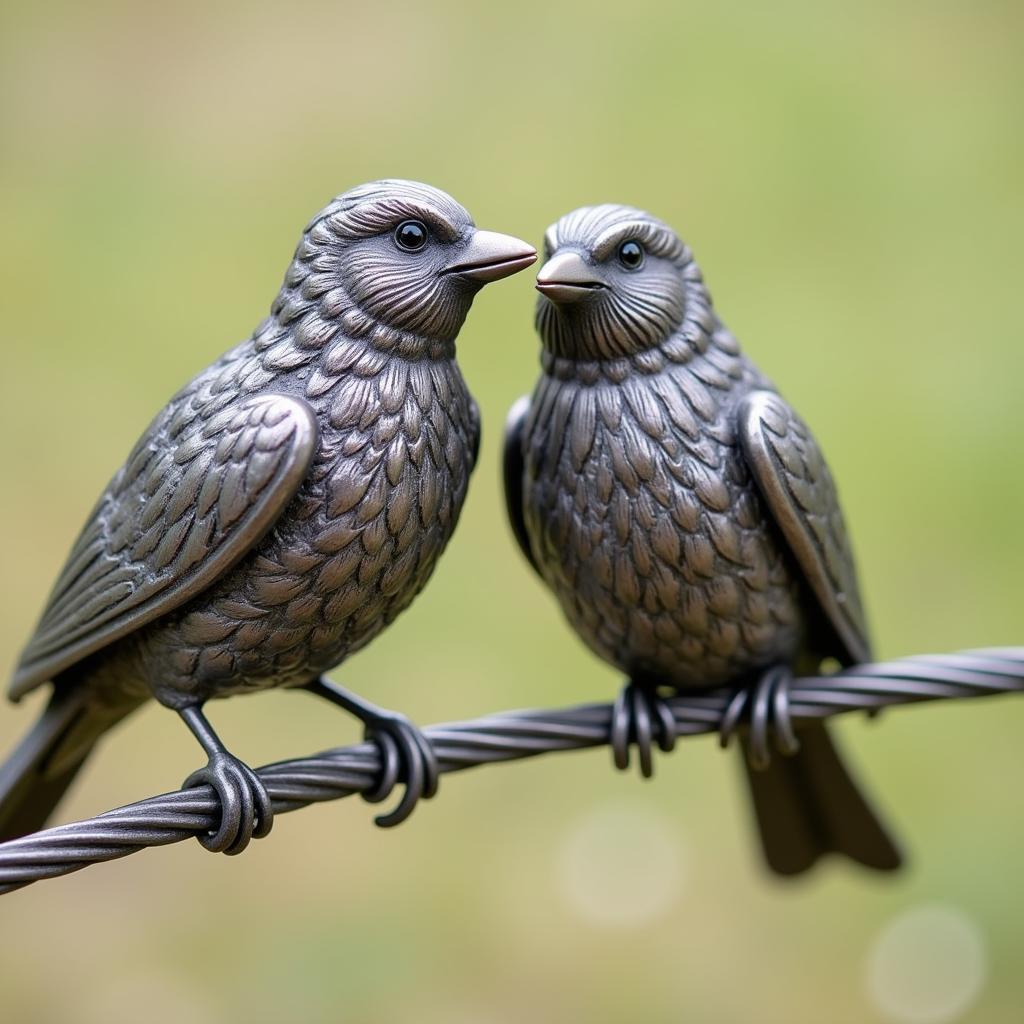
[(411, 235), (631, 254)]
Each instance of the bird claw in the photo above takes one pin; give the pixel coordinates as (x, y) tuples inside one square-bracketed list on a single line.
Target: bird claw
[(768, 702), (640, 716), (246, 811), (406, 757)]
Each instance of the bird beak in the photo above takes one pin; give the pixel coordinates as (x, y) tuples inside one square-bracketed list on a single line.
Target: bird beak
[(490, 257), (567, 278)]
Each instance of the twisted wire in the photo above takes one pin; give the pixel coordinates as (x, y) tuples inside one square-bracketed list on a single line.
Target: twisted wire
[(507, 736)]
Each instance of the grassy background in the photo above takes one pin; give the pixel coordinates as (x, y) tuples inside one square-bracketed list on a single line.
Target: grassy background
[(850, 179)]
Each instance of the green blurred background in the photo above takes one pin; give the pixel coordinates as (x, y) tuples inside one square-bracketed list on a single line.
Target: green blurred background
[(849, 176)]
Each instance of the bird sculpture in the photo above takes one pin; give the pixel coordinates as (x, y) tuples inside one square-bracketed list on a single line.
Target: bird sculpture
[(684, 518), (282, 509)]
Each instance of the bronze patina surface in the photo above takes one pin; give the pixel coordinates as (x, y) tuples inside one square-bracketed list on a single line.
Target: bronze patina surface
[(282, 509), (683, 515)]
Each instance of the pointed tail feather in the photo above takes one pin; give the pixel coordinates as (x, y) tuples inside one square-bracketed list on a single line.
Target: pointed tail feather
[(42, 766), (808, 805)]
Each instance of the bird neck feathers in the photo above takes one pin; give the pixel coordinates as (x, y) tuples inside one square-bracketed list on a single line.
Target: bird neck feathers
[(699, 332), (308, 319)]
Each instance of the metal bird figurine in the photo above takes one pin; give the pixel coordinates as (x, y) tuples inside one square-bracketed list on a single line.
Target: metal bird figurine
[(279, 513), (684, 517)]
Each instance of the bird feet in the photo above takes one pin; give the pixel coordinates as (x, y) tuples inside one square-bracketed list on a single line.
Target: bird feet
[(640, 716), (406, 757), (246, 812), (768, 703)]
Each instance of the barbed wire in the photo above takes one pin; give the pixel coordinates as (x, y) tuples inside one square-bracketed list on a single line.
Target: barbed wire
[(507, 736)]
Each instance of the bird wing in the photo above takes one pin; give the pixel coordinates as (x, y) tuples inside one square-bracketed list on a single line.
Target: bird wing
[(797, 487), (193, 497), (475, 430), (512, 473)]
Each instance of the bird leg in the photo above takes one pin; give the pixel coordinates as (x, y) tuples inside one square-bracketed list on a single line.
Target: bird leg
[(768, 702), (246, 812), (406, 754), (640, 716)]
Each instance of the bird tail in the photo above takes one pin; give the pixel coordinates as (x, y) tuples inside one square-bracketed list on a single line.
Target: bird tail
[(42, 766), (808, 805)]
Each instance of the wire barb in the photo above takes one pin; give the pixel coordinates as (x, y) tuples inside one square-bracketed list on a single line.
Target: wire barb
[(509, 736)]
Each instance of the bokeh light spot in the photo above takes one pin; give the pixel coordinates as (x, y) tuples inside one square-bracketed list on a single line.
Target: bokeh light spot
[(927, 966), (621, 865)]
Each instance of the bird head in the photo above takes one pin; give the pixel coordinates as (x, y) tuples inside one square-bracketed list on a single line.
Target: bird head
[(616, 282), (402, 255)]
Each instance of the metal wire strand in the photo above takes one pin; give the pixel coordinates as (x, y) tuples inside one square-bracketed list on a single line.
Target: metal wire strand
[(508, 736)]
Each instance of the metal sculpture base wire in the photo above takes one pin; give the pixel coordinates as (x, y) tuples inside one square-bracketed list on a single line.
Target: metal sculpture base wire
[(509, 736)]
